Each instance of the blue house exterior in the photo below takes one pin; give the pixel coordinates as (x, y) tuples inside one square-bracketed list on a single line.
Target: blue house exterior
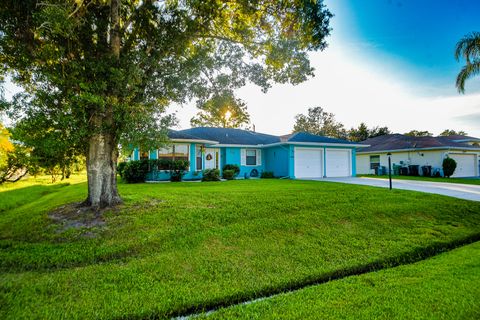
[(300, 155)]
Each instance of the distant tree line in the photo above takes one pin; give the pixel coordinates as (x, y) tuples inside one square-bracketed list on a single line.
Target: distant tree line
[(320, 122)]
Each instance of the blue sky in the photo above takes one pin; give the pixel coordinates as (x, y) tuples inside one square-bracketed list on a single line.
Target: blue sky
[(389, 63), (414, 37)]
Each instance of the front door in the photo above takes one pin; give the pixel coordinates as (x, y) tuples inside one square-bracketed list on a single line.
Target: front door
[(212, 158)]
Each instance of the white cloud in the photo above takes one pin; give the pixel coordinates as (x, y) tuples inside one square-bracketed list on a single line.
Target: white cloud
[(357, 90)]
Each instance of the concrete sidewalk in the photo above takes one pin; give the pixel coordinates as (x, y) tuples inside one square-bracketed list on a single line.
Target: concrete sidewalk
[(456, 190)]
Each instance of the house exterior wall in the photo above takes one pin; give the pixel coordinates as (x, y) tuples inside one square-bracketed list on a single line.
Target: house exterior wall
[(432, 158), (233, 155), (276, 160)]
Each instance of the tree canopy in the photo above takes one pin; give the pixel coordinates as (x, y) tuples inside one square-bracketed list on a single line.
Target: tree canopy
[(222, 110), (103, 72), (417, 133), (448, 132), (362, 132), (468, 48), (319, 122)]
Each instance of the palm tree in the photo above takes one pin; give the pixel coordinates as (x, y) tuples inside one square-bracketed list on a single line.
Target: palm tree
[(469, 48)]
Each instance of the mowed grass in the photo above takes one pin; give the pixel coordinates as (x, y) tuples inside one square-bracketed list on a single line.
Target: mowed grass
[(474, 181), (442, 287), (176, 248)]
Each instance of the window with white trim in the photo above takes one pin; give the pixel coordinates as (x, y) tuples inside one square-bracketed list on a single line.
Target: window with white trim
[(251, 157), (374, 161)]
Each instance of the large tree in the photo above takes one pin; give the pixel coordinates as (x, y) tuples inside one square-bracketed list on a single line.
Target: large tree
[(108, 69), (222, 110), (468, 48), (317, 121)]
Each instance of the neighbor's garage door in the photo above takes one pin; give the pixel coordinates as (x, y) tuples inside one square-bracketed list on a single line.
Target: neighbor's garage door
[(308, 163), (465, 165), (338, 163)]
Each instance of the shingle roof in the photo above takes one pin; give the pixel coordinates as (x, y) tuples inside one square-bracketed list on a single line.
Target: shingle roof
[(231, 136), (400, 142), (460, 138), (172, 134), (307, 137)]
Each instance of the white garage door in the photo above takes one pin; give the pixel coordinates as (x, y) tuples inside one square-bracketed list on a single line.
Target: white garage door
[(465, 165), (338, 163), (308, 163)]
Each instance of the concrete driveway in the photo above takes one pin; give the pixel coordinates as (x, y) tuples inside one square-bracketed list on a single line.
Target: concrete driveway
[(462, 191)]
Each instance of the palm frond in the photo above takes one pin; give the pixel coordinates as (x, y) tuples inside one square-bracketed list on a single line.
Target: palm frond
[(468, 47), (468, 71)]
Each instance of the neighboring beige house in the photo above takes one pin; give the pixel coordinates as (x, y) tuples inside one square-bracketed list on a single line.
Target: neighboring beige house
[(421, 151)]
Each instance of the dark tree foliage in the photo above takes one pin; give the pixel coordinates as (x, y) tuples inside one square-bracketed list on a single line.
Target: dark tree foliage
[(449, 165), (416, 133), (103, 72), (319, 122), (363, 132), (222, 110), (468, 48), (448, 132)]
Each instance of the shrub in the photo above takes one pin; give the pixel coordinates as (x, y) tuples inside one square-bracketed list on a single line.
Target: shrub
[(121, 168), (211, 175), (228, 174), (449, 165), (178, 168), (234, 167), (267, 175), (135, 171)]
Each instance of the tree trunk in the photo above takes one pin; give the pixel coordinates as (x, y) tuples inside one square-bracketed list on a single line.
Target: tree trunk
[(102, 172), (102, 148)]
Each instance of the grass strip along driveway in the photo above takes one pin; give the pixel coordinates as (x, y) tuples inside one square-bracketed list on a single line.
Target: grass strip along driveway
[(474, 181), (173, 249), (443, 287)]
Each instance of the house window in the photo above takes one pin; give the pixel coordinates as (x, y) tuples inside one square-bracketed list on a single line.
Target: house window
[(143, 155), (198, 158), (172, 152), (251, 157), (374, 161)]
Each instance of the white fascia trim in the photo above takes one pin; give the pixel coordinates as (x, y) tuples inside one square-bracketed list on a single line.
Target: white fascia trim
[(318, 144), (419, 149), (195, 141), (253, 146)]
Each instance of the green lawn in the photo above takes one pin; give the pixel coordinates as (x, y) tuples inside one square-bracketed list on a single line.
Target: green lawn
[(440, 179), (443, 287), (174, 248)]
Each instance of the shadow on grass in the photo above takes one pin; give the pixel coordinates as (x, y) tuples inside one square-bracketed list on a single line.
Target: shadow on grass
[(413, 256), (18, 197)]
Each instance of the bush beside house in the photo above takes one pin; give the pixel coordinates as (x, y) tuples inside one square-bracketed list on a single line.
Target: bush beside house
[(136, 171), (211, 175), (449, 165), (230, 171), (267, 175)]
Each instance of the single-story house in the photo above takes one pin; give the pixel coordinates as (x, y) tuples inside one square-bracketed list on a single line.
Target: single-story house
[(298, 155), (421, 151)]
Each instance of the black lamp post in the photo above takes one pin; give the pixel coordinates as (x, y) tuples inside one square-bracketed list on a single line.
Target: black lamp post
[(390, 169)]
